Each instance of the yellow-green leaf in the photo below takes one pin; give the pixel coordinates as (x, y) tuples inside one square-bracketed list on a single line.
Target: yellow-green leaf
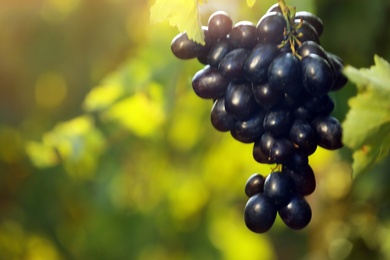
[(184, 14), (367, 124)]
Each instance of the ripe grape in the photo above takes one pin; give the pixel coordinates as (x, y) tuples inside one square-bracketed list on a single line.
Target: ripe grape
[(243, 35), (239, 100), (278, 188), (284, 73), (329, 132), (296, 214), (270, 28), (317, 75), (219, 24), (220, 118), (209, 83), (254, 184), (259, 213), (231, 66), (257, 63)]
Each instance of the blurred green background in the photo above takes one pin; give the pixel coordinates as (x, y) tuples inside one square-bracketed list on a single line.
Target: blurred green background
[(106, 153)]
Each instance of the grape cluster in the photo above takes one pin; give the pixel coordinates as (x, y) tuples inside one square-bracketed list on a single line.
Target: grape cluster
[(270, 86)]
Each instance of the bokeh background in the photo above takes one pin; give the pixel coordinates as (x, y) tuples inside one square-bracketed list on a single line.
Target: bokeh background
[(106, 153)]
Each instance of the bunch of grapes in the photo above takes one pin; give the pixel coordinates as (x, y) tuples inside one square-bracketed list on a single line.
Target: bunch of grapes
[(270, 83)]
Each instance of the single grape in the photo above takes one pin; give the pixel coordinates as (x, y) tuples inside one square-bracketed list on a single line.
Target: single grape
[(339, 79), (284, 74), (281, 150), (312, 19), (243, 35), (297, 161), (231, 66), (257, 63), (218, 52), (320, 105), (259, 155), (303, 113), (248, 131), (254, 184), (317, 76), (278, 122), (311, 47), (277, 150), (329, 132), (296, 214), (304, 180), (259, 214), (219, 24), (266, 143), (220, 119), (208, 83), (239, 100), (270, 28), (266, 96), (306, 32), (184, 48), (278, 188), (302, 134)]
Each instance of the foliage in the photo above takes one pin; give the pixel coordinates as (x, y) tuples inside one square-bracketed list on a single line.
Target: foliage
[(367, 125), (187, 19)]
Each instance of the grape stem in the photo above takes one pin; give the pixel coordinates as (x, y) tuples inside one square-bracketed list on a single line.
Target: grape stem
[(289, 32)]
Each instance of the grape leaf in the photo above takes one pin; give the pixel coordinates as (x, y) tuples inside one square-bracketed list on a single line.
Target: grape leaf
[(184, 14), (367, 124)]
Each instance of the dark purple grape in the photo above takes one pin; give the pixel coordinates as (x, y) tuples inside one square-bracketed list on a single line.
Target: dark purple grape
[(329, 132), (304, 180), (218, 52), (220, 119), (208, 83), (249, 130), (266, 143), (232, 65), (311, 47), (312, 19), (317, 76), (259, 155), (320, 105), (339, 79), (243, 35), (277, 150), (296, 214), (219, 24), (281, 150), (297, 161), (284, 74), (257, 63), (259, 214), (278, 188), (254, 184), (239, 100), (302, 134), (266, 96), (270, 28), (306, 32), (278, 122), (303, 113), (184, 48)]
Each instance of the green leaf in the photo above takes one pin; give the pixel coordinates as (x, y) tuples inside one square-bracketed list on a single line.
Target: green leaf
[(367, 124), (184, 14)]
